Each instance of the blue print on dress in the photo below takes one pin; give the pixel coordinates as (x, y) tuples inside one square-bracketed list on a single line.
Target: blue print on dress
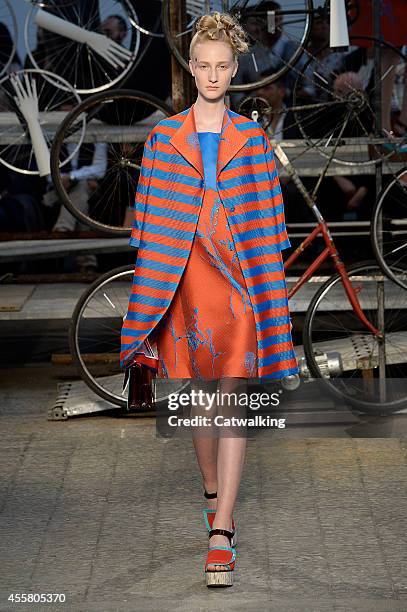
[(215, 258), (164, 369), (193, 139), (175, 339), (196, 338), (250, 363)]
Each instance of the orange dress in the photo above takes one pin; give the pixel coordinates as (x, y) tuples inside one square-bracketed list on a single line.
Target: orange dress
[(209, 330)]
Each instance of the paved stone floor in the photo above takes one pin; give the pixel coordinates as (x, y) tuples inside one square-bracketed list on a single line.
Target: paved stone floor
[(101, 510)]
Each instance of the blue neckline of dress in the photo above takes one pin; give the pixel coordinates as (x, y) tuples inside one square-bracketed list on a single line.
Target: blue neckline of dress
[(217, 133)]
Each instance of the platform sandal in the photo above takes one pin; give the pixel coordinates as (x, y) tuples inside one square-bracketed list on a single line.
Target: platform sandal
[(209, 517), (220, 555)]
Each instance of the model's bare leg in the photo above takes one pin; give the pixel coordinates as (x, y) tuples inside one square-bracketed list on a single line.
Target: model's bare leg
[(230, 461), (206, 445)]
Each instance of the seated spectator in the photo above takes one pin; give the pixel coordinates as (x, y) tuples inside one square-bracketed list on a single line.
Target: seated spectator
[(153, 55), (115, 28), (321, 64), (20, 202), (282, 124), (80, 179), (40, 53), (393, 31), (6, 48), (270, 51)]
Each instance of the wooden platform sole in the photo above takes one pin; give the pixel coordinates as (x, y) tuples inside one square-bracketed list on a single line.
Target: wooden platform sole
[(219, 579)]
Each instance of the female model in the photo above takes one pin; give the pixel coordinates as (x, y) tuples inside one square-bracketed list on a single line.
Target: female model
[(209, 284)]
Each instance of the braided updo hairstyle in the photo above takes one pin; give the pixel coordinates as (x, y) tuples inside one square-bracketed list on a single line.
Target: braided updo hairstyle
[(222, 27)]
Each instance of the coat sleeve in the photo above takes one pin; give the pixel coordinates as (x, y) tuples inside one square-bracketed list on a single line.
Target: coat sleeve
[(142, 192), (281, 237)]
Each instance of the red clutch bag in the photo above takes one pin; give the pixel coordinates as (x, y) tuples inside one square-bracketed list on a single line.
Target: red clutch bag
[(139, 377)]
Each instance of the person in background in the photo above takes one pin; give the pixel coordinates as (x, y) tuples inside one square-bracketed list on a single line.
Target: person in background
[(6, 48), (393, 30), (80, 179), (283, 124), (40, 53), (115, 28), (20, 202), (321, 60), (271, 51)]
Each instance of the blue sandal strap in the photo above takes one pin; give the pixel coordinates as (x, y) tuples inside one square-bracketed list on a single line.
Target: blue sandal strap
[(205, 513)]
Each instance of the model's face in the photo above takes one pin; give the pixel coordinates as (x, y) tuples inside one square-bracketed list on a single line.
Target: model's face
[(213, 67)]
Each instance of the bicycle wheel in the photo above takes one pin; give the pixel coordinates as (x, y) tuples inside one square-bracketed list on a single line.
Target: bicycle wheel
[(333, 102), (120, 120), (94, 336), (17, 151), (94, 65), (389, 227), (333, 333), (285, 39)]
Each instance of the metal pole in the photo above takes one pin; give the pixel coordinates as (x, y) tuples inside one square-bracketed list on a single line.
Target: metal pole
[(379, 175)]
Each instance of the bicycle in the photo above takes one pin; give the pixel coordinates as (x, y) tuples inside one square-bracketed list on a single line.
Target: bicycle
[(355, 355), (364, 333)]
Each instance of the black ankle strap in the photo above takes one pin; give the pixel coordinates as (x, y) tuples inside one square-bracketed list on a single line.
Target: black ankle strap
[(210, 495), (228, 534)]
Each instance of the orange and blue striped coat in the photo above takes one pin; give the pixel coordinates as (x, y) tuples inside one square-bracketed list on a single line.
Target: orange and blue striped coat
[(169, 195)]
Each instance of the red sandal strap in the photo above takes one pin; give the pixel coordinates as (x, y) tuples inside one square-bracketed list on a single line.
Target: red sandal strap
[(219, 556), (210, 517)]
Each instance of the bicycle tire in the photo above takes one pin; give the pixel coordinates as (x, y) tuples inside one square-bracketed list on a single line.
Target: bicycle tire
[(74, 340), (367, 407), (106, 393), (111, 95), (82, 88), (375, 221)]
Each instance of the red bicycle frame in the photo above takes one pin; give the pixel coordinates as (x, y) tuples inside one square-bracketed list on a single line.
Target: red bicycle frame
[(329, 251)]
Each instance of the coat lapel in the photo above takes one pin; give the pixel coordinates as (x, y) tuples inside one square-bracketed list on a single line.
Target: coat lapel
[(231, 141), (185, 139)]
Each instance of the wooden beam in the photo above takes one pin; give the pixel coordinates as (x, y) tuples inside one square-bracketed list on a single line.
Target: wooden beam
[(181, 79)]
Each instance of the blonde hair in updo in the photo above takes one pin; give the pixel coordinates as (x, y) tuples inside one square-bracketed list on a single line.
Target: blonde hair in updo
[(222, 27)]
